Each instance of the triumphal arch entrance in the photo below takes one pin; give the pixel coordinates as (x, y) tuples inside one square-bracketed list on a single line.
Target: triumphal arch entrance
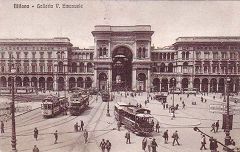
[(122, 57)]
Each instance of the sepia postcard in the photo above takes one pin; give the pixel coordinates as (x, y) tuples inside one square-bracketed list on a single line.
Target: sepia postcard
[(119, 76)]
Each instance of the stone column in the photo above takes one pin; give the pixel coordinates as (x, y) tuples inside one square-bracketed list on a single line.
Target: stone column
[(55, 83), (110, 78), (95, 82), (200, 87), (217, 87), (134, 79), (190, 83), (148, 80)]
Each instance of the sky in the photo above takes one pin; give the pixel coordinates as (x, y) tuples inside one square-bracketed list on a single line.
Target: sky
[(168, 19)]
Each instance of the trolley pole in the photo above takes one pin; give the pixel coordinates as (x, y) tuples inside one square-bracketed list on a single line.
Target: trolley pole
[(227, 130), (108, 114), (14, 140), (173, 106)]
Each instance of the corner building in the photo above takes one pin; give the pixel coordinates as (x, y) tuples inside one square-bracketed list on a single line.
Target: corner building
[(122, 59)]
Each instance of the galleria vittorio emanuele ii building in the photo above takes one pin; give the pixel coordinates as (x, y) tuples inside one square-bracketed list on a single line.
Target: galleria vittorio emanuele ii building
[(123, 58)]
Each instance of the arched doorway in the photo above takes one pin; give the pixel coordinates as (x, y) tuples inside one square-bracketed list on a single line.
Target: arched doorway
[(170, 67), (162, 67), (88, 82), (42, 83), (3, 82), (122, 68), (49, 83), (221, 85), (184, 83), (142, 82), (196, 83), (231, 85), (34, 82), (80, 82), (25, 81), (61, 84), (71, 83), (18, 82), (156, 84), (89, 67), (103, 81), (213, 85), (164, 85), (172, 83), (205, 85)]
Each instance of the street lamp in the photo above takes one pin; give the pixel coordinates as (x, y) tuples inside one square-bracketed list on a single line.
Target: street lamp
[(108, 114), (14, 140), (173, 116), (227, 129)]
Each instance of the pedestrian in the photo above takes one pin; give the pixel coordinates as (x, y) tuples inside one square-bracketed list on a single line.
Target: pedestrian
[(180, 98), (127, 136), (175, 137), (165, 136), (119, 125), (203, 142), (76, 127), (2, 127), (56, 136), (35, 148), (144, 143), (149, 144), (108, 145), (217, 125), (85, 135), (82, 125), (145, 103), (102, 145), (201, 99), (35, 133), (205, 100), (183, 105), (213, 145), (157, 127), (213, 127), (140, 106), (154, 145)]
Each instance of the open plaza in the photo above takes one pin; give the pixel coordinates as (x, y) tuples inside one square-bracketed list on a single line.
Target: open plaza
[(101, 126)]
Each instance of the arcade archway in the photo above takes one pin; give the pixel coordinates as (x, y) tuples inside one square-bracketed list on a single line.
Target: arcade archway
[(122, 69)]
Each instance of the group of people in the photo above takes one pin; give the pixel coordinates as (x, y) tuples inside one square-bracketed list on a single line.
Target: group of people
[(215, 126), (105, 145), (78, 127), (149, 144)]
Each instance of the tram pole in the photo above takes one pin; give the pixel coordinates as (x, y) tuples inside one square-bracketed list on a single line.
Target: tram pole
[(108, 114), (14, 140)]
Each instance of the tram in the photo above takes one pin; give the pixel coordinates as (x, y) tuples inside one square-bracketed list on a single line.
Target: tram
[(79, 101), (52, 106), (105, 96), (138, 120)]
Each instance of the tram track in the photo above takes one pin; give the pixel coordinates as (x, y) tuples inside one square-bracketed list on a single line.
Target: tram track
[(41, 127)]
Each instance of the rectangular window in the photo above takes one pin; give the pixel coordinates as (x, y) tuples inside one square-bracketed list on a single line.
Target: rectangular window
[(41, 68), (18, 55), (26, 69), (49, 55), (49, 68), (33, 55), (26, 55), (41, 55), (33, 68), (198, 55), (215, 55), (2, 55)]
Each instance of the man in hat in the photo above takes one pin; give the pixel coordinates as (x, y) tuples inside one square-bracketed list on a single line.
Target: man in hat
[(175, 137)]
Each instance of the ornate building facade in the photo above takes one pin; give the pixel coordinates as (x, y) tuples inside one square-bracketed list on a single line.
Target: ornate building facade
[(122, 59)]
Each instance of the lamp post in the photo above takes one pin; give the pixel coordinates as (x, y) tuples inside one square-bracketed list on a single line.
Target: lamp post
[(108, 114), (227, 128), (14, 140), (173, 116)]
